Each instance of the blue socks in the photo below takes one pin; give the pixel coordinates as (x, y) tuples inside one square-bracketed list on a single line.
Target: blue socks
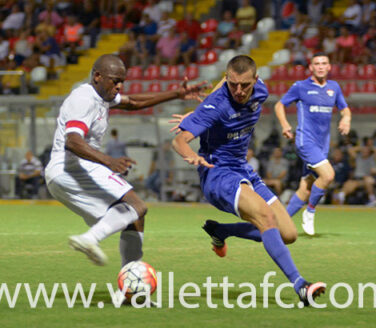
[(280, 254), (295, 204), (241, 229), (314, 198)]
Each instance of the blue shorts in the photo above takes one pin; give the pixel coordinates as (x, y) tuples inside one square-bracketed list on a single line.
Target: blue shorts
[(312, 156), (221, 186)]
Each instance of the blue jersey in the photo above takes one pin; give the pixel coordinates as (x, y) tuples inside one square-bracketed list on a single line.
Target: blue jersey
[(314, 110), (225, 126)]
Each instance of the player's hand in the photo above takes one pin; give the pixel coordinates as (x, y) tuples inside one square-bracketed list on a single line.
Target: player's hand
[(344, 126), (287, 132), (178, 118), (198, 160), (193, 91), (121, 165)]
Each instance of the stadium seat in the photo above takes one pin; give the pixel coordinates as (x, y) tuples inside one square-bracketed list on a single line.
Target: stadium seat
[(173, 86), (368, 87), (209, 25), (281, 57), (206, 42), (152, 72), (280, 73), (349, 88), (279, 88), (335, 72), (191, 72), (208, 57), (135, 87), (297, 72), (367, 72), (155, 87), (38, 74), (264, 72), (172, 73), (264, 26), (349, 71), (134, 73)]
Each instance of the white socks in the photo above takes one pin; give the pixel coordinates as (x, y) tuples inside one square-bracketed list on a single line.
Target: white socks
[(130, 246), (117, 218)]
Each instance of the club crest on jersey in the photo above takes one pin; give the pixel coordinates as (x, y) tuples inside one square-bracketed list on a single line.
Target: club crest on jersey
[(330, 92), (254, 106)]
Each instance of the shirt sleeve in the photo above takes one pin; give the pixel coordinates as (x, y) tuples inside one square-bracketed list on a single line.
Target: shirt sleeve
[(291, 95), (78, 115), (340, 100), (203, 118)]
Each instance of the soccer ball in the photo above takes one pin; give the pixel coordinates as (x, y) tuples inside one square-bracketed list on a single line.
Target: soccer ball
[(136, 277)]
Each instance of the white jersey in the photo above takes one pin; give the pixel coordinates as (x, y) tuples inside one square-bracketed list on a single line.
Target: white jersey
[(83, 112)]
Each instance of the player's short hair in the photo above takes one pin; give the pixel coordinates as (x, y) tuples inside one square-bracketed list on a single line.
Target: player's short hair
[(241, 64), (320, 54)]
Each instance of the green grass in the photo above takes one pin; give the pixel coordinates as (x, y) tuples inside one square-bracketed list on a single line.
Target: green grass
[(34, 249)]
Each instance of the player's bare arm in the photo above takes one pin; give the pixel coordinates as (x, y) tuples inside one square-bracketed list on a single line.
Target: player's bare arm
[(77, 145), (345, 122), (144, 100), (182, 147), (280, 112)]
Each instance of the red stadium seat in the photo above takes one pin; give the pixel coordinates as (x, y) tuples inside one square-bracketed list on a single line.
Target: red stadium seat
[(106, 22), (280, 73), (209, 57), (206, 42), (173, 86), (153, 72), (209, 26), (367, 72), (297, 72), (135, 87), (365, 110), (172, 73), (279, 88), (369, 87), (191, 72), (335, 72), (349, 71), (155, 87), (349, 88), (134, 73)]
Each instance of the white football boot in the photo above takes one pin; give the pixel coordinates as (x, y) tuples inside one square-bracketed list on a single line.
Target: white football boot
[(92, 250), (308, 223)]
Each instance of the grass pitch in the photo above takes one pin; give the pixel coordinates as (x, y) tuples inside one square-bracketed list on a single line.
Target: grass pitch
[(34, 250)]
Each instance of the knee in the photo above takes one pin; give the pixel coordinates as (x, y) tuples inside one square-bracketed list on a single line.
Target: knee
[(290, 237), (328, 178), (140, 208)]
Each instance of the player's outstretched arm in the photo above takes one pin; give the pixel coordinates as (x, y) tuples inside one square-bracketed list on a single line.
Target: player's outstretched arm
[(144, 100), (345, 122), (77, 145), (182, 147), (280, 112)]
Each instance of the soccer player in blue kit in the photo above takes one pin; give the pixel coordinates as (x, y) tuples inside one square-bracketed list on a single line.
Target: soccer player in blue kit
[(315, 98), (225, 122)]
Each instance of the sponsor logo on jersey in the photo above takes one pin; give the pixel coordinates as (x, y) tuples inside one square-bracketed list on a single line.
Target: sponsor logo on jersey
[(312, 92), (254, 106), (320, 109), (330, 92)]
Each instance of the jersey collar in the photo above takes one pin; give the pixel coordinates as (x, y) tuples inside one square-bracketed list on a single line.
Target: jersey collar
[(319, 85)]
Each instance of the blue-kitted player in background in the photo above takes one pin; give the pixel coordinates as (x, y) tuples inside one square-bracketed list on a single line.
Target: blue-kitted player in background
[(225, 122), (315, 98)]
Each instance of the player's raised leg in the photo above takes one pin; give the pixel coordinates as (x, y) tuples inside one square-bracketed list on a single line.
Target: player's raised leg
[(254, 209)]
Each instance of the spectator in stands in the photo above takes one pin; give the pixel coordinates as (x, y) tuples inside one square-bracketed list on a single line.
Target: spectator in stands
[(252, 160), (51, 13), (15, 20), (189, 25), (29, 176), (224, 28), (342, 172), (116, 148), (329, 20), (246, 16), (144, 51), (363, 158), (187, 51), (73, 34), (329, 44), (352, 16), (32, 11), (234, 38), (368, 7), (153, 182), (4, 48), (370, 46), (165, 24), (300, 26), (133, 13), (11, 84), (153, 10), (147, 26), (315, 10), (128, 49), (23, 47), (167, 49), (46, 25), (345, 43), (49, 50), (300, 53), (276, 171), (90, 18)]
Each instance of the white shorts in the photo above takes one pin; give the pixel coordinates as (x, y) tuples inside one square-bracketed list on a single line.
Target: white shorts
[(89, 194)]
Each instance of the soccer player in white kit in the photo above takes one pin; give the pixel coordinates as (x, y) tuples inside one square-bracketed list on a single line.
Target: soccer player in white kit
[(88, 181)]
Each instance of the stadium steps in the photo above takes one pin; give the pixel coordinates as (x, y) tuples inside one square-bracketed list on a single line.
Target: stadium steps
[(75, 73), (339, 6), (198, 8), (9, 135)]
